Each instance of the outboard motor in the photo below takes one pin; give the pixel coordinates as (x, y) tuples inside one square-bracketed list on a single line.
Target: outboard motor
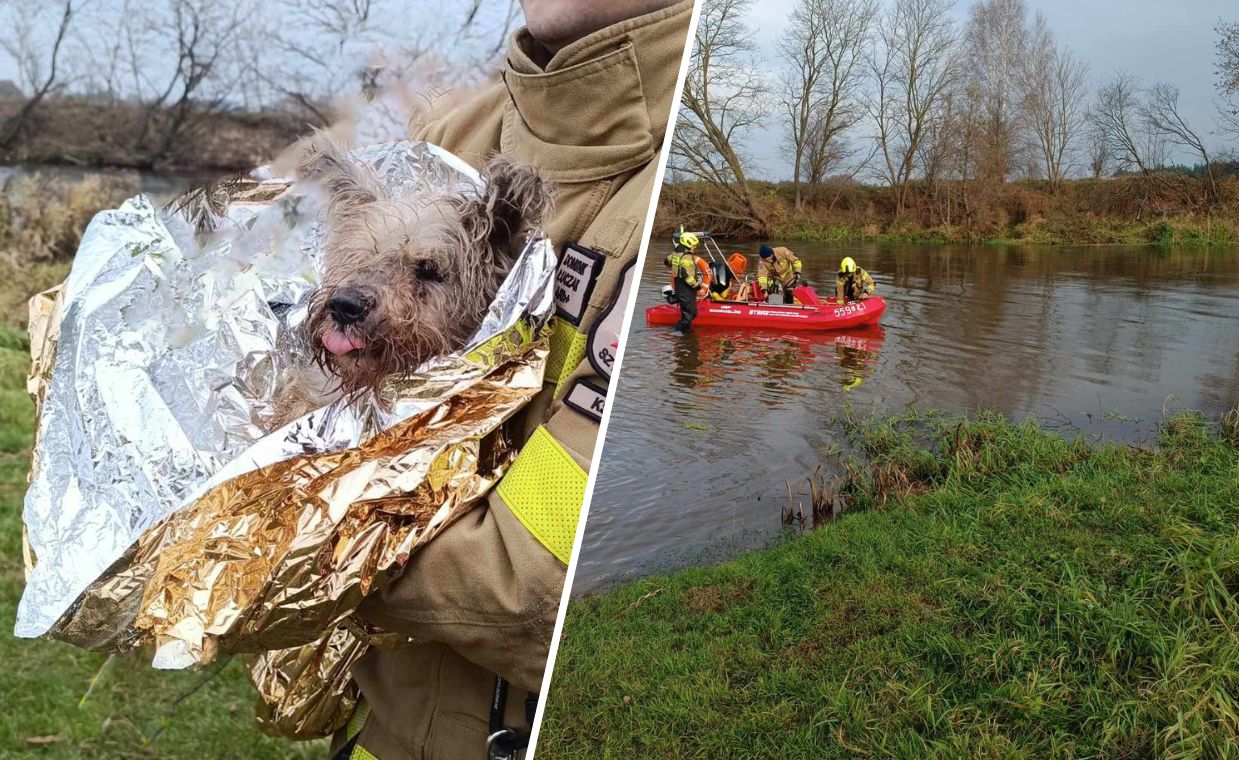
[(720, 275)]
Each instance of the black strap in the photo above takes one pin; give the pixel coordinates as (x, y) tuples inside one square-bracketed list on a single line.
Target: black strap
[(497, 704), (346, 751), (503, 742)]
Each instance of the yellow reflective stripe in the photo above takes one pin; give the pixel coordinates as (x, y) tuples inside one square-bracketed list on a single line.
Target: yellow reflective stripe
[(544, 489), (567, 351), (358, 720), (361, 753)]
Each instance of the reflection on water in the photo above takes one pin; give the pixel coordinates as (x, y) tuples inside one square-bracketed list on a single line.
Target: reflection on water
[(705, 429)]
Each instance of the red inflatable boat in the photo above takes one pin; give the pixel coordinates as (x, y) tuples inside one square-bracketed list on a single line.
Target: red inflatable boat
[(810, 314)]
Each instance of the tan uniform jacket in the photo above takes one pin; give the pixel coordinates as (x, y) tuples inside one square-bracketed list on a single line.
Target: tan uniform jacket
[(783, 268), (483, 595), (862, 279)]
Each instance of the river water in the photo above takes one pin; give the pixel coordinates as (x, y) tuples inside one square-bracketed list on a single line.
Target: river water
[(705, 429), (160, 186)]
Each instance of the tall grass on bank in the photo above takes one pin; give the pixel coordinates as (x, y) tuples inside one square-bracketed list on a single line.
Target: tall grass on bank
[(62, 702), (996, 591), (42, 219)]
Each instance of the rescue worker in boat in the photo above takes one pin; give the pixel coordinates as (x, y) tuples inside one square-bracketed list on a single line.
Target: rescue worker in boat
[(781, 266), (852, 282), (688, 272)]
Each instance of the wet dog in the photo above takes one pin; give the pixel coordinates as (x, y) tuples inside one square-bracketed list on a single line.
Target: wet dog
[(404, 278)]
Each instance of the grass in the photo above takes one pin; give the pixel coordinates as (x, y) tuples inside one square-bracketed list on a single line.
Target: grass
[(41, 223), (132, 711), (995, 591)]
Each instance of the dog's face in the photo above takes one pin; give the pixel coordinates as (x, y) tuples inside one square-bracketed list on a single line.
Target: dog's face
[(406, 279)]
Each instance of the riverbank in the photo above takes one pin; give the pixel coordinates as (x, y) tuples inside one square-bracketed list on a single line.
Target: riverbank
[(132, 710), (1184, 230), (995, 591), (1118, 211), (88, 132)]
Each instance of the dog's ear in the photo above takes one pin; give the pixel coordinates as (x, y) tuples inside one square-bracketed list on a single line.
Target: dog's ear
[(325, 160), (516, 199)]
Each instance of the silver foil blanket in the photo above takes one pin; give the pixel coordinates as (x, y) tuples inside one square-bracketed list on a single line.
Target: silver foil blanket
[(161, 511)]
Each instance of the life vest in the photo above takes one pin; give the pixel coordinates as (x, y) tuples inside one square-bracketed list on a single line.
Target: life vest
[(690, 267)]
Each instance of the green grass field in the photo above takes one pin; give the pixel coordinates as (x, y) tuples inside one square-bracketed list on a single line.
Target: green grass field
[(997, 592), (132, 711)]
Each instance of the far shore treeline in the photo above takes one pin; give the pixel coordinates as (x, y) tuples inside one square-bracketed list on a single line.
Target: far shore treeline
[(902, 123), (225, 84)]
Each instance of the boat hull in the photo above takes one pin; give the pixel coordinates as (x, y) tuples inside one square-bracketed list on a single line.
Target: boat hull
[(828, 316)]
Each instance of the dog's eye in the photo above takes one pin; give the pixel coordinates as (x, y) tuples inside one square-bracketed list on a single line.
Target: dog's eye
[(427, 271)]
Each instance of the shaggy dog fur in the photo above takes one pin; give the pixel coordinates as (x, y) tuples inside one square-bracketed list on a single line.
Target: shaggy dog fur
[(409, 278)]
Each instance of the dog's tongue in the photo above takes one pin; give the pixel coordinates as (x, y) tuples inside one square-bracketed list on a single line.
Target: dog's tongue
[(337, 342)]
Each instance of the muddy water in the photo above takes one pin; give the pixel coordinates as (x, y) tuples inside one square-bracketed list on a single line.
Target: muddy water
[(706, 428)]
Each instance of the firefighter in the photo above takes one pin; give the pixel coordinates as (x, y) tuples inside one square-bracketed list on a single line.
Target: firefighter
[(585, 96), (852, 282), (688, 272), (779, 266)]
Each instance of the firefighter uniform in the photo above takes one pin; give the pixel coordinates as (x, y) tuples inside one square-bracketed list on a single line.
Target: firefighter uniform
[(687, 269), (782, 267), (481, 599), (853, 286)]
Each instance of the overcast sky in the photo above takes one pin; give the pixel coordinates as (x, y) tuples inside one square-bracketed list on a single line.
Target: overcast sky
[(1157, 40)]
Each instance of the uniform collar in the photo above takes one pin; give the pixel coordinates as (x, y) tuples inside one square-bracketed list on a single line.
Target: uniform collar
[(600, 106)]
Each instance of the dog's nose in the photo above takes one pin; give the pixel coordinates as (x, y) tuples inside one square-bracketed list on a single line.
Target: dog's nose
[(348, 307)]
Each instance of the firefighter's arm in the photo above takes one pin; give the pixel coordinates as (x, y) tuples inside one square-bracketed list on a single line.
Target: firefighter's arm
[(763, 275), (485, 587), (839, 288), (796, 264), (869, 284)]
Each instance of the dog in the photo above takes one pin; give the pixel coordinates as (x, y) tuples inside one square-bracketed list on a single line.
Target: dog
[(404, 279)]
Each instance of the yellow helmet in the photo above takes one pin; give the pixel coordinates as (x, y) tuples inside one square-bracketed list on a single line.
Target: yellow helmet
[(688, 240), (847, 265)]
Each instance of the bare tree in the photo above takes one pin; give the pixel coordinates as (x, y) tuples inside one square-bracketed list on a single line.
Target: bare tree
[(722, 93), (1098, 148), (1054, 89), (1228, 76), (914, 68), (1161, 115), (196, 40), (304, 64), (1116, 117), (39, 71), (826, 42), (996, 40)]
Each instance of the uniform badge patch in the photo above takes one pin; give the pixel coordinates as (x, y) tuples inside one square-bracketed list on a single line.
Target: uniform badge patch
[(587, 398), (605, 334), (574, 281)]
